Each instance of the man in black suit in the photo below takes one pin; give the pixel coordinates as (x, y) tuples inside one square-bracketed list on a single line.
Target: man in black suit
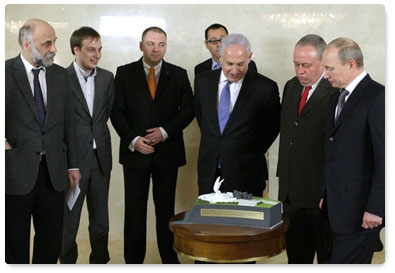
[(301, 153), (93, 95), (213, 36), (354, 154), (150, 121), (39, 147), (235, 151)]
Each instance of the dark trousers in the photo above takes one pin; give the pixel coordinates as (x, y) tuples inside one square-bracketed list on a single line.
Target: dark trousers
[(353, 249), (94, 186), (137, 184), (45, 206), (307, 235)]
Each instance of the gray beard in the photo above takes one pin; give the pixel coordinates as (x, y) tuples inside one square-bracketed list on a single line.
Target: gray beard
[(45, 61)]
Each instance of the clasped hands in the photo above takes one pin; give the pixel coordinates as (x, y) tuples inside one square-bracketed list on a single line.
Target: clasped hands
[(145, 144)]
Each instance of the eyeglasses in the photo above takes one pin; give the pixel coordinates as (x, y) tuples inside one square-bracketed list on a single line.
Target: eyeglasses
[(213, 42)]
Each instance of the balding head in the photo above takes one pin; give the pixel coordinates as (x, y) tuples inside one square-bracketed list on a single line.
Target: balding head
[(37, 40)]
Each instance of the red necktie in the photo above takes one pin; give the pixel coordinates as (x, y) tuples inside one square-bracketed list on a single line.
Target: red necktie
[(303, 99)]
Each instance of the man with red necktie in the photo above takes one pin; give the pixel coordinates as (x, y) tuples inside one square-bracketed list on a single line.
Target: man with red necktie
[(301, 152)]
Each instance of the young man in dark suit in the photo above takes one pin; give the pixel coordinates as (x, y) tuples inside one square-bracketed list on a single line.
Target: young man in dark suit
[(39, 147), (93, 95), (301, 153), (153, 104), (354, 191), (235, 150), (213, 36)]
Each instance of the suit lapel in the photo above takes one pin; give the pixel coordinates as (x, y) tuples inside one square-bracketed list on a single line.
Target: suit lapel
[(320, 93), (137, 71), (355, 97), (240, 102), (296, 90), (99, 94), (212, 98), (24, 86), (76, 87), (163, 78)]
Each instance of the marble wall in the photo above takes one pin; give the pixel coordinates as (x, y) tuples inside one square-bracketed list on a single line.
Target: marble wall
[(272, 30)]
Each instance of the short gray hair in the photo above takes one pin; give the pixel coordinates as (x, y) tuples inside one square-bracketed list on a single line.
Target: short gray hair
[(26, 33), (348, 50), (235, 39), (315, 41)]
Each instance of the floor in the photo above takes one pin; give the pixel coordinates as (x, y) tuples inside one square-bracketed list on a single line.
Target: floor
[(152, 257)]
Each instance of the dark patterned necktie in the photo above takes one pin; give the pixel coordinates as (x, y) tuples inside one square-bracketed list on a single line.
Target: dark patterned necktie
[(38, 97)]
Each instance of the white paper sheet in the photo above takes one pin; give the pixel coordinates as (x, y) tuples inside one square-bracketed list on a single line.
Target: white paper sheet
[(72, 195)]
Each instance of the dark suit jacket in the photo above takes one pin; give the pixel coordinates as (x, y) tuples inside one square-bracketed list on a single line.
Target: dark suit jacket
[(251, 129), (88, 127), (301, 149), (355, 158), (134, 112), (207, 64), (25, 135)]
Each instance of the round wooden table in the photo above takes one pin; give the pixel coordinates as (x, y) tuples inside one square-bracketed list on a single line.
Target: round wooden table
[(226, 243)]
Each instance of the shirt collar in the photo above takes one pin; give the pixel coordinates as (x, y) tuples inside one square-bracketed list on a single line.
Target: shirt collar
[(351, 86), (223, 78), (82, 73), (313, 86), (214, 64), (29, 66), (157, 67)]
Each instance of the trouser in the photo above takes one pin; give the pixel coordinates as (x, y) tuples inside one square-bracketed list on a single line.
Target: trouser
[(45, 206), (307, 235), (95, 187), (137, 182)]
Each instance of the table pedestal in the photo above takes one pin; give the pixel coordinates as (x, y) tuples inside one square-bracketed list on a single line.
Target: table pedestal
[(226, 243)]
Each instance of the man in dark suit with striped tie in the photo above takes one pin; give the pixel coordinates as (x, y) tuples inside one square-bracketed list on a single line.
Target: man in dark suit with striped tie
[(354, 190)]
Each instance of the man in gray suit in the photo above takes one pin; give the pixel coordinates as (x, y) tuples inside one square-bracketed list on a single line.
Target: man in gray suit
[(93, 94), (301, 152), (38, 146)]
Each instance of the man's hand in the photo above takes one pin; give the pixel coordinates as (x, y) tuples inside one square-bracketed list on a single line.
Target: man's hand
[(144, 145), (371, 221), (7, 145), (154, 135), (74, 177)]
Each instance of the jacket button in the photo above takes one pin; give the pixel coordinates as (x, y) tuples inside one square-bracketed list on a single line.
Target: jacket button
[(331, 139), (296, 123)]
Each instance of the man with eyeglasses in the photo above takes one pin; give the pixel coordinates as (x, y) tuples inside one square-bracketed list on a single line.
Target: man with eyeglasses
[(213, 36)]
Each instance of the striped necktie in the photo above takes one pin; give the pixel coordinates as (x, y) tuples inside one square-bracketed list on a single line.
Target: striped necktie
[(340, 102)]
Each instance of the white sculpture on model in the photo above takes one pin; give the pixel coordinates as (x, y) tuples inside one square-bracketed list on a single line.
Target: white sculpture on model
[(217, 185), (218, 196)]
